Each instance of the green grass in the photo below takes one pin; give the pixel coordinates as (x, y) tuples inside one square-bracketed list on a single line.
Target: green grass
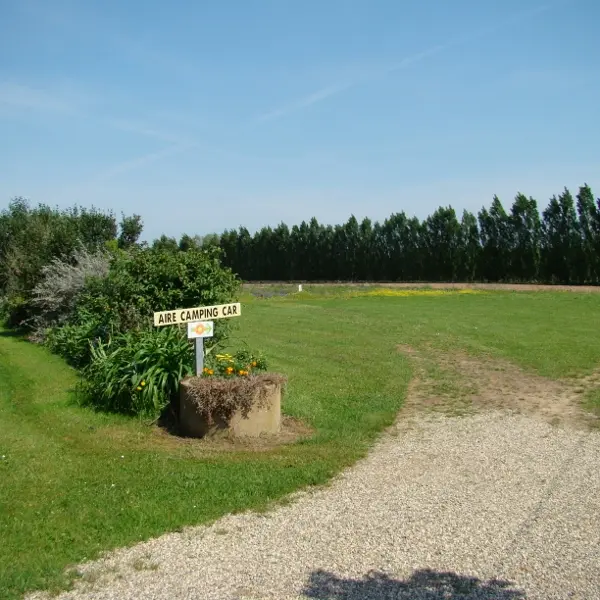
[(592, 401), (75, 482)]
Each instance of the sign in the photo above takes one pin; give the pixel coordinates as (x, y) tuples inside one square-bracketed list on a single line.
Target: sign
[(200, 329), (187, 315)]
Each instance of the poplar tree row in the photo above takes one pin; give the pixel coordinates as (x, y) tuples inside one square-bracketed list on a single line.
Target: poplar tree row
[(517, 244)]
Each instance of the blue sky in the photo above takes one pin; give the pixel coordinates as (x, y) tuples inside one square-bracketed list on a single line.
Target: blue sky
[(204, 116)]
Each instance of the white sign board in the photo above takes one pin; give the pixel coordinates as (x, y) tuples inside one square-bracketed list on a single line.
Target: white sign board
[(200, 329), (200, 313)]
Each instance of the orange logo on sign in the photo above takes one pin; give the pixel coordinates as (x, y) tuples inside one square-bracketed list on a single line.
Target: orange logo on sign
[(202, 328)]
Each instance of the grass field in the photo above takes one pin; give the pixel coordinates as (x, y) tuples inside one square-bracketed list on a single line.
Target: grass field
[(75, 483)]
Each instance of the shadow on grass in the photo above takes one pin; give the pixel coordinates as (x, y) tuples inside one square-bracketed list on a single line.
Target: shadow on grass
[(12, 333), (424, 584)]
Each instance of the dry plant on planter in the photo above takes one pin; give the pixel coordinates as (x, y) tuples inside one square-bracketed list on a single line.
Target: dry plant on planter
[(220, 397), (231, 383)]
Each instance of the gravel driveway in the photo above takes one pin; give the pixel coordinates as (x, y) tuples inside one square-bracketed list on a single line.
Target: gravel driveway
[(495, 505)]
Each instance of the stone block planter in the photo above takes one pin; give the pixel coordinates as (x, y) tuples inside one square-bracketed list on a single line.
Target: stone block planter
[(237, 406)]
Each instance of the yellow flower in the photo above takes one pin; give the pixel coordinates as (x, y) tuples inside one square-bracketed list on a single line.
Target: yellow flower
[(143, 383), (210, 371), (253, 363), (139, 389)]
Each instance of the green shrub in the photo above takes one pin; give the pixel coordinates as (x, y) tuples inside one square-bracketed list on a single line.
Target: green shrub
[(54, 297), (91, 322), (147, 280), (107, 332), (139, 282), (137, 373), (31, 238), (74, 342), (13, 310)]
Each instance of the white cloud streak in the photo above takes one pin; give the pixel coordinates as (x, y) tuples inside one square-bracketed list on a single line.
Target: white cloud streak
[(21, 97), (338, 88), (307, 101), (138, 162)]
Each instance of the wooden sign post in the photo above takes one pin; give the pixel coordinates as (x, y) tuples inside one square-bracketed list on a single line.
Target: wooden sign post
[(198, 329)]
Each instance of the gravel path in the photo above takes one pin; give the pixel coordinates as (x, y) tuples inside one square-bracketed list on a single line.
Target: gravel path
[(488, 506)]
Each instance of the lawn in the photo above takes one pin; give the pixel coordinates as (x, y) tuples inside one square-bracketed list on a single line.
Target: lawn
[(76, 482)]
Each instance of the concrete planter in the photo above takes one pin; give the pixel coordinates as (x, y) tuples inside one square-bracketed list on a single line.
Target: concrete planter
[(262, 416)]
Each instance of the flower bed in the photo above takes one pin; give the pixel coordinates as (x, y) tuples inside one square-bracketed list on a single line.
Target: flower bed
[(234, 395)]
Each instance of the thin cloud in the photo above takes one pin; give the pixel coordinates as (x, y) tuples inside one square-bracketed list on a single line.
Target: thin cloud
[(338, 88), (140, 161), (147, 131), (22, 97), (313, 98), (85, 23)]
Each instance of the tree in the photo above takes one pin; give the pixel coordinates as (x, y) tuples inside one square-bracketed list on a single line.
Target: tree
[(210, 239), (351, 237), (282, 268), (229, 246), (365, 260), (315, 255), (402, 238), (244, 253), (525, 230), (165, 243), (441, 243), (495, 241), (130, 230), (187, 242), (561, 244), (588, 265), (470, 247)]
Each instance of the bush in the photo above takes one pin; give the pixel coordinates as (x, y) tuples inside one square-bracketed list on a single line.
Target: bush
[(74, 342), (138, 283), (137, 373), (13, 310), (92, 299), (147, 280), (32, 238), (91, 322), (54, 297)]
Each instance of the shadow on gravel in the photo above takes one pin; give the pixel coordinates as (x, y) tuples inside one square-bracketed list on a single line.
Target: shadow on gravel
[(422, 585)]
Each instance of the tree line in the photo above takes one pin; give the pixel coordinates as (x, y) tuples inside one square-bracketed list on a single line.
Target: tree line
[(559, 245)]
